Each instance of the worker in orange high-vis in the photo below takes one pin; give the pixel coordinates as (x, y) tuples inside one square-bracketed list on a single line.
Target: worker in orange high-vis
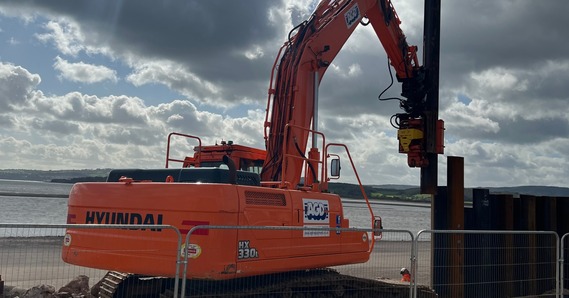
[(405, 275)]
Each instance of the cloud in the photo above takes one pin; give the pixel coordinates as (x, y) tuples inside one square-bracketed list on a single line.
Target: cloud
[(503, 83), (175, 77), (169, 30), (83, 153), (17, 86), (375, 152), (84, 131), (219, 53), (472, 32), (84, 73), (75, 106), (510, 105), (58, 126), (513, 72), (495, 164), (69, 37), (12, 41), (65, 35), (499, 79)]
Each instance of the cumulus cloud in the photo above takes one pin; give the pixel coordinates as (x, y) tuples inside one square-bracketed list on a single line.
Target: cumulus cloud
[(179, 32), (17, 86), (178, 78), (511, 105), (499, 79), (75, 106), (79, 130), (494, 164), (80, 154), (54, 125), (83, 72), (66, 36)]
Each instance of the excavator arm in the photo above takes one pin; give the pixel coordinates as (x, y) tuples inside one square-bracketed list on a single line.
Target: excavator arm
[(304, 58)]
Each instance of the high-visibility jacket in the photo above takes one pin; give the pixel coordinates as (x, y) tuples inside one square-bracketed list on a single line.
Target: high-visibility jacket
[(406, 277)]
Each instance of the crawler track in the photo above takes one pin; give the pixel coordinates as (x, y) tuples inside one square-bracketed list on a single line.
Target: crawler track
[(310, 283), (122, 285)]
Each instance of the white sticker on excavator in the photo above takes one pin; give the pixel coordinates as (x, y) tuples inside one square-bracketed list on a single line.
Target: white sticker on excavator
[(352, 15), (194, 250), (315, 211), (316, 215), (67, 240), (245, 251), (315, 232)]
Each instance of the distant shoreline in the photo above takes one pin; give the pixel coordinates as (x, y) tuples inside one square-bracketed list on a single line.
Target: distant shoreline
[(404, 203), (33, 195), (79, 179), (381, 202)]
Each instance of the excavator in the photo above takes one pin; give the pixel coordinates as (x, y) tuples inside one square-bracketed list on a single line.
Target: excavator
[(226, 184)]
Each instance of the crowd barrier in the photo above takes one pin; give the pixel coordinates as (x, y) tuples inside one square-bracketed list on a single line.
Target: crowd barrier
[(389, 255), (31, 262), (492, 263), (450, 263)]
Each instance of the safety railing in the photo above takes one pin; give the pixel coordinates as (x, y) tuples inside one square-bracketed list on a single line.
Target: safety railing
[(564, 267), (31, 258), (489, 263), (442, 263), (168, 159), (379, 275)]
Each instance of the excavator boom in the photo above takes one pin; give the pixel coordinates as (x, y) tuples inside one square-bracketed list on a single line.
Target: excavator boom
[(307, 54)]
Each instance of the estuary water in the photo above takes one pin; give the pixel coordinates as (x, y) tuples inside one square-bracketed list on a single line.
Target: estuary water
[(52, 209)]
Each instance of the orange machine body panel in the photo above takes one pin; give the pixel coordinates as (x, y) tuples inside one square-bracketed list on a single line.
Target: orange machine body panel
[(215, 253)]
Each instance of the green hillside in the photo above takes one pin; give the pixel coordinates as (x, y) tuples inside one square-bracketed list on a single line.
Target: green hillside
[(353, 191), (48, 176)]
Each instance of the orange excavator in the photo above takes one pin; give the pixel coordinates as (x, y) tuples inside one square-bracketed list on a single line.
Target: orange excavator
[(227, 184)]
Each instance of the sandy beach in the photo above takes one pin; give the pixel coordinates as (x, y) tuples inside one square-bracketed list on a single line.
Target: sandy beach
[(27, 262)]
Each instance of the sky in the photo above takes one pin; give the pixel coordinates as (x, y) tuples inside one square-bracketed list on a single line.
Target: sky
[(100, 84)]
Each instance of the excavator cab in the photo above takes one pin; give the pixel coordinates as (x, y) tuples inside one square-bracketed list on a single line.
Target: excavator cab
[(245, 158)]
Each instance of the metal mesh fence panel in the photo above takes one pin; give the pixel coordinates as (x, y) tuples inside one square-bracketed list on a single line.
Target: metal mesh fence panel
[(489, 263), (564, 266), (453, 264), (30, 259), (390, 254), (31, 263), (378, 276)]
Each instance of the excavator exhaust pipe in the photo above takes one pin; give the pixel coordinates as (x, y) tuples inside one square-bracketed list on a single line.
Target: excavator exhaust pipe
[(232, 169)]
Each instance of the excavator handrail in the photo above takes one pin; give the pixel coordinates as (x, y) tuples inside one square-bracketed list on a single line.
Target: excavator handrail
[(271, 91), (325, 153), (182, 135)]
